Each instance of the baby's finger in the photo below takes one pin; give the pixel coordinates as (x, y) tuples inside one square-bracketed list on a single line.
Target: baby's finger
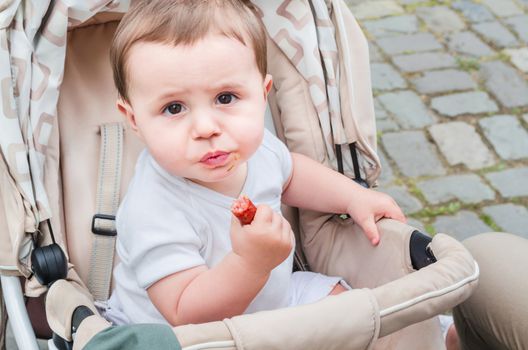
[(236, 227), (264, 214), (395, 213), (371, 231), (276, 222), (235, 222)]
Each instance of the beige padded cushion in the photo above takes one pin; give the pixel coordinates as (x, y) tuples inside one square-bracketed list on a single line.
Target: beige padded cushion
[(88, 98)]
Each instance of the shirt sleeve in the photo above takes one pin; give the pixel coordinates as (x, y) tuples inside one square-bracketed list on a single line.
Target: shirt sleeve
[(158, 241), (281, 151)]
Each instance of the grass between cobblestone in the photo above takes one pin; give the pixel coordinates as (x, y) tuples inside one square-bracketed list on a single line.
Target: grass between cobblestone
[(412, 7), (494, 168), (489, 221), (468, 64), (431, 212)]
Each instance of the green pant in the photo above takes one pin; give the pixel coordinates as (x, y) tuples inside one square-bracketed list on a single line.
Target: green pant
[(135, 337)]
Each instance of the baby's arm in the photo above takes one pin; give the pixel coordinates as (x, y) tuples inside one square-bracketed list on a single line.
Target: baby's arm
[(200, 294), (314, 186)]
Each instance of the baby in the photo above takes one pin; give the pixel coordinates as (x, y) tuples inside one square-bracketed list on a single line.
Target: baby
[(192, 83)]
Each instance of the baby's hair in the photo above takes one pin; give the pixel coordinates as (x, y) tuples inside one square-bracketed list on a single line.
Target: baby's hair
[(176, 22)]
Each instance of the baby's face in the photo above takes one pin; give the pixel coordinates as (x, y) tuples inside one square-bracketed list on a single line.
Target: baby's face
[(198, 108)]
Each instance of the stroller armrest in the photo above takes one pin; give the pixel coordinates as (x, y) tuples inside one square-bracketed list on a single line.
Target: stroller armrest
[(346, 321), (433, 289)]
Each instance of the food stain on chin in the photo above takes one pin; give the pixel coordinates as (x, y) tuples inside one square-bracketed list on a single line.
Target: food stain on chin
[(236, 157)]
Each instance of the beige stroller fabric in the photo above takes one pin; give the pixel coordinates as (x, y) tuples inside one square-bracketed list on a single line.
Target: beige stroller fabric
[(312, 49), (32, 51)]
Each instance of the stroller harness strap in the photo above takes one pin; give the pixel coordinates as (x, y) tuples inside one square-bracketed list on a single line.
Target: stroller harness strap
[(107, 202)]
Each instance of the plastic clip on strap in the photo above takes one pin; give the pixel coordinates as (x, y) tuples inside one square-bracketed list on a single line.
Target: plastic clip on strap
[(107, 202)]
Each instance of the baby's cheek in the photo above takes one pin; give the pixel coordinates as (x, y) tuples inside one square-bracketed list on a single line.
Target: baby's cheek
[(234, 161), (253, 135), (247, 133)]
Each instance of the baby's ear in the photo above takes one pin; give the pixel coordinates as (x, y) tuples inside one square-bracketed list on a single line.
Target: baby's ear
[(126, 109), (268, 83)]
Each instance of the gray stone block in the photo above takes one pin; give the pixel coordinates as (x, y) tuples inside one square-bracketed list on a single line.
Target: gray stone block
[(519, 58), (374, 9), (443, 81), (507, 136), (460, 144), (497, 34), (387, 175), (509, 217), (461, 226), (511, 182), (379, 110), (424, 61), (464, 103), (467, 43), (467, 188), (408, 203), (390, 26), (505, 84), (384, 77), (413, 154), (503, 8), (353, 2), (409, 43), (387, 125), (473, 12), (417, 225), (374, 53), (519, 24), (440, 19), (407, 108)]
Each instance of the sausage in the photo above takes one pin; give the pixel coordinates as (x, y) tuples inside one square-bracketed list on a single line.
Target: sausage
[(244, 210)]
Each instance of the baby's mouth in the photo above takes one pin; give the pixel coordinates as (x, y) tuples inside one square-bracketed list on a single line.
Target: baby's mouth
[(215, 159)]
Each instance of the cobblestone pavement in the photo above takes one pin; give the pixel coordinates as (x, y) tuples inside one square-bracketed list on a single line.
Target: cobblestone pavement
[(450, 81)]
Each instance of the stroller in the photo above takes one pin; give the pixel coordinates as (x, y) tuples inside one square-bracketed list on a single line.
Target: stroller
[(67, 157)]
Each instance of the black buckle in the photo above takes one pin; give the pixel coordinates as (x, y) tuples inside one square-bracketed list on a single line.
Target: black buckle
[(103, 231)]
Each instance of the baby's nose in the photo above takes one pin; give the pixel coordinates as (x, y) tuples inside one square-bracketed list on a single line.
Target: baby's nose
[(205, 126)]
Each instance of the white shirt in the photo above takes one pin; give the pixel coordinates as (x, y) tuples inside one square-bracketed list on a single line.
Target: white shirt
[(168, 224)]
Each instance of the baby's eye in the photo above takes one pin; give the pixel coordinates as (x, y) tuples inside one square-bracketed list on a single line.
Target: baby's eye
[(173, 109), (226, 98)]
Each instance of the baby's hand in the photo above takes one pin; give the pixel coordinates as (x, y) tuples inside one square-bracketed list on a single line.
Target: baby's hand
[(265, 243), (368, 207)]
